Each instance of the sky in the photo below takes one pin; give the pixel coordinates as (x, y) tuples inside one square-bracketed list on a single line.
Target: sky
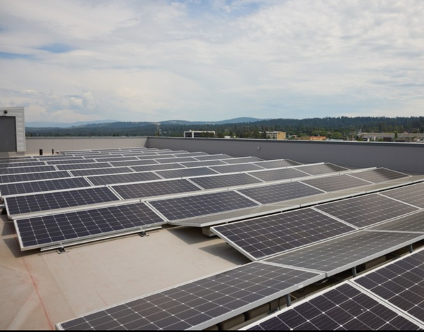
[(155, 60)]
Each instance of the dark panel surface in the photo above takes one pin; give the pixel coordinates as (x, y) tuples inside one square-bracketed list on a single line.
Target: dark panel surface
[(204, 204), (151, 189), (346, 251), (412, 194), (32, 176), (411, 223), (235, 168), (46, 201), (278, 174), (191, 305), (202, 163), (269, 235), (279, 192), (213, 157), (336, 183), (379, 175), (400, 283), (83, 166), (157, 167), (134, 163), (9, 171), (225, 181), (321, 168), (123, 178), (6, 165), (344, 308), (366, 210), (106, 171), (277, 164), (94, 222), (43, 186), (202, 171), (116, 159), (175, 159), (55, 162)]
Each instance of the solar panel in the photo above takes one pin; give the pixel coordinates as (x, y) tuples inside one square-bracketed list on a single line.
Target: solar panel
[(157, 167), (10, 171), (88, 160), (156, 156), (345, 252), (51, 229), (83, 166), (175, 159), (202, 163), (264, 236), (278, 174), (114, 159), (42, 186), (279, 192), (321, 168), (247, 159), (411, 194), (189, 154), (198, 205), (186, 172), (235, 168), (123, 178), (213, 157), (410, 223), (344, 308), (133, 163), (152, 189), (31, 203), (335, 183), (198, 304), (276, 164), (106, 171), (225, 181), (400, 283), (379, 175), (32, 176), (366, 210), (20, 164), (60, 158)]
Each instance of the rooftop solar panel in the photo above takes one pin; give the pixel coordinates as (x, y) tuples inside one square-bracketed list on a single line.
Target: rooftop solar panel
[(278, 174), (123, 178), (199, 153), (20, 164), (366, 210), (198, 304), (33, 176), (411, 194), (346, 252), (83, 166), (10, 171), (198, 205), (134, 163), (179, 173), (247, 159), (87, 160), (155, 156), (51, 229), (34, 203), (344, 308), (400, 283), (318, 169), (202, 163), (213, 157), (116, 159), (410, 223), (279, 192), (105, 171), (144, 190), (42, 186), (264, 236), (276, 164), (157, 167), (225, 181), (175, 159), (379, 175), (336, 183), (235, 168)]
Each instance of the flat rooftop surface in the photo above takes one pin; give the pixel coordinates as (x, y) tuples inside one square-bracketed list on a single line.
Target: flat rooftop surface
[(40, 289)]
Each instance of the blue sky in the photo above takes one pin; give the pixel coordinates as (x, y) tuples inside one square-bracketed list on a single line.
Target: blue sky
[(153, 60)]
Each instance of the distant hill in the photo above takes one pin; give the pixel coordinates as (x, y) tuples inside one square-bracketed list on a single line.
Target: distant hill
[(228, 121), (40, 124)]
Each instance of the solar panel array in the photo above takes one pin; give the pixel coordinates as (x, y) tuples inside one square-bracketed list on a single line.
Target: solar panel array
[(198, 304), (123, 178), (343, 308), (50, 229), (401, 284)]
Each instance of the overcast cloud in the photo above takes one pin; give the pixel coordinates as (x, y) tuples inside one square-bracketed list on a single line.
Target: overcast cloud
[(211, 60)]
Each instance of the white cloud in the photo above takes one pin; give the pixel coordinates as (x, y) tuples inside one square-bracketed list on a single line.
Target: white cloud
[(197, 60)]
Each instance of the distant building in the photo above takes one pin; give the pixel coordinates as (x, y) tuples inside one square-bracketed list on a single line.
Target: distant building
[(313, 138), (392, 136), (275, 135), (199, 134)]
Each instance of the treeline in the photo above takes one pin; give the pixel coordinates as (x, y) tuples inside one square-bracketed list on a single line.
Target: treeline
[(331, 127)]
